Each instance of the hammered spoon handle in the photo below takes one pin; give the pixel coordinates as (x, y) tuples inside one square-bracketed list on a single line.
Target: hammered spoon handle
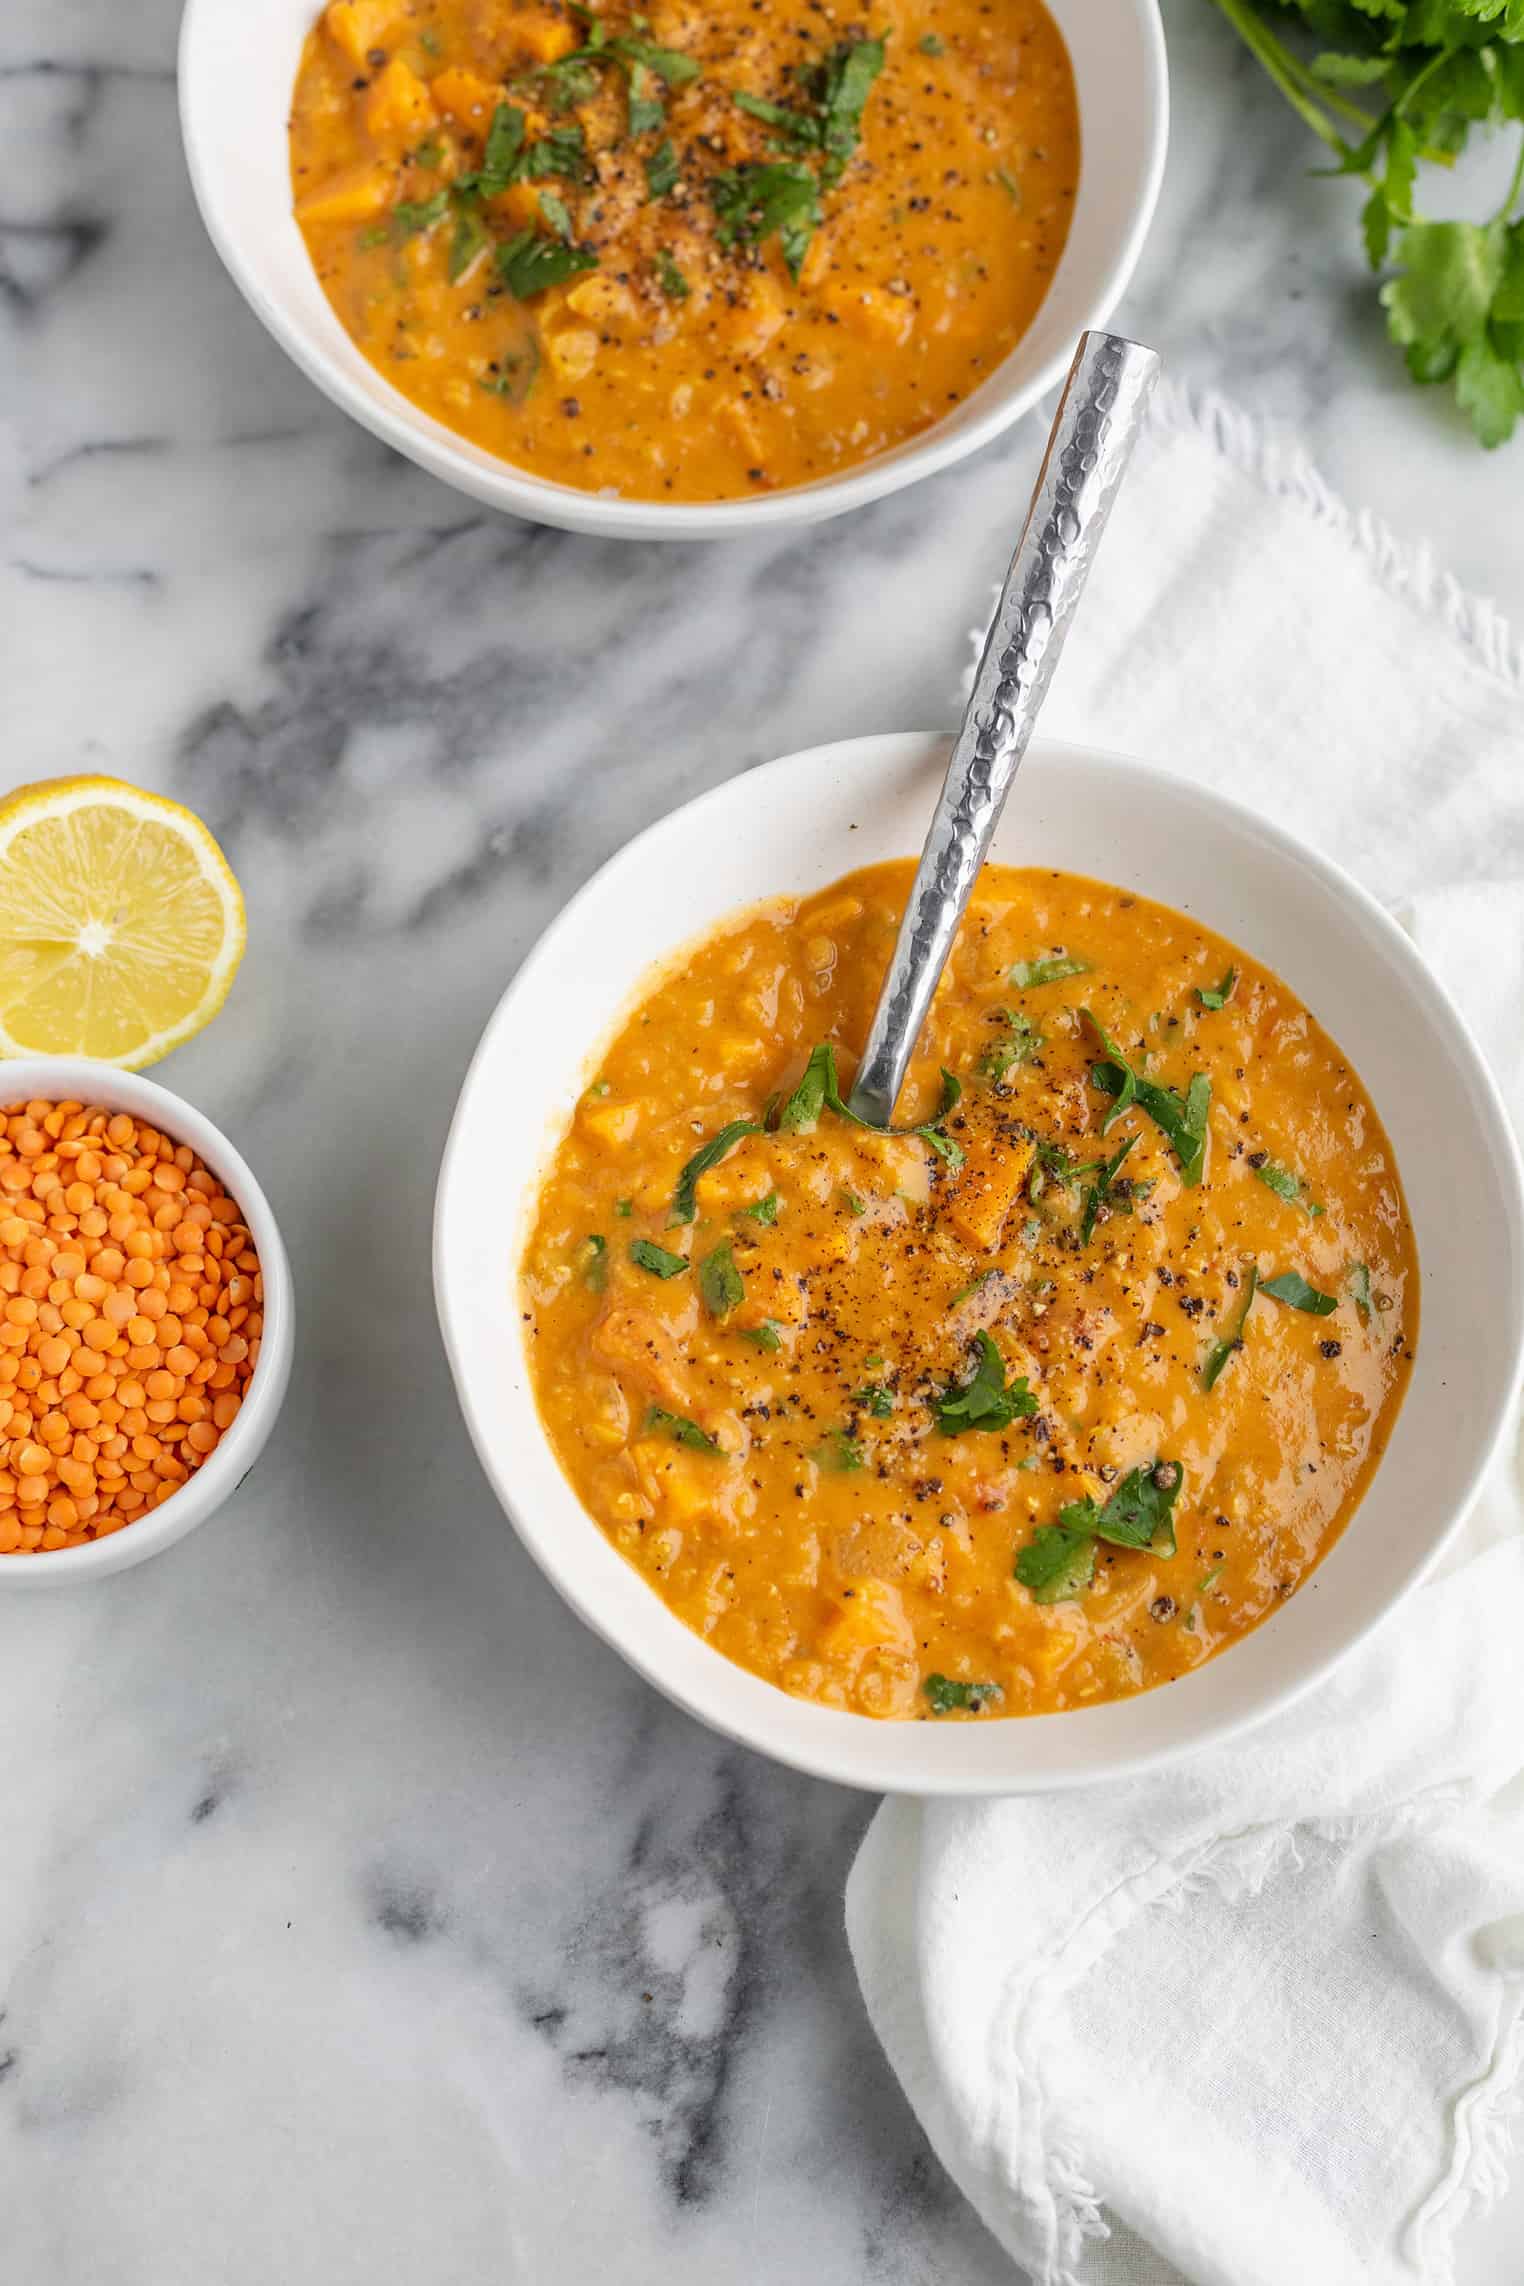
[(1099, 419)]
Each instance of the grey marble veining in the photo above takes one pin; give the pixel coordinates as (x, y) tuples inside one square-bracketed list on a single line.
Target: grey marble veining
[(361, 1918)]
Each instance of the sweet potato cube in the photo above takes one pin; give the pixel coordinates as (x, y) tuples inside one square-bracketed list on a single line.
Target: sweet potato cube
[(354, 197), (984, 1190), (546, 37), (398, 108), (356, 26), (460, 95)]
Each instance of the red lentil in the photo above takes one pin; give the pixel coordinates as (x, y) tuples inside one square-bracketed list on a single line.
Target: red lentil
[(131, 1284)]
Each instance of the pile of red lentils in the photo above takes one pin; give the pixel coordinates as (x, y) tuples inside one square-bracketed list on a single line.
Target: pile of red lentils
[(131, 1307)]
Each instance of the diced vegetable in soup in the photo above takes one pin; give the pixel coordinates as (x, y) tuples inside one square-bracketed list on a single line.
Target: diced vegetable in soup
[(1040, 1401), (692, 254)]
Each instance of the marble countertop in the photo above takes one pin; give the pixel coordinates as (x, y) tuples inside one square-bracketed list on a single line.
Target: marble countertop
[(361, 1917)]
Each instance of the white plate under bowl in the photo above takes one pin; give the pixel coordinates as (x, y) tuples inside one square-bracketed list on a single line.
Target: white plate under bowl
[(237, 67), (792, 828)]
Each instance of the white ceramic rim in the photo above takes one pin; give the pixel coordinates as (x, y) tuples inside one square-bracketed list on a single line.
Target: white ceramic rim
[(499, 484), (79, 1079), (844, 1753)]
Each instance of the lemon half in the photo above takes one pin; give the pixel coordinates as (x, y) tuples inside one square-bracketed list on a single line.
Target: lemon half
[(121, 925)]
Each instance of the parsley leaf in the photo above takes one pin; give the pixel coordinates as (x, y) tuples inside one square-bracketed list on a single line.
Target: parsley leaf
[(513, 376), (837, 91), (530, 262), (764, 1336), (1292, 1288), (1139, 1514), (1217, 995), (819, 1090), (669, 277), (765, 1211), (946, 1697), (1028, 974), (1096, 1192), (837, 1454), (1286, 1186), (1059, 1559), (930, 45), (1426, 72), (662, 172), (1360, 1287), (1056, 1564), (685, 1193), (1021, 1044), (875, 1399), (1221, 1350), (752, 202), (985, 1401), (595, 1263), (412, 217), (720, 1282), (1182, 1119), (553, 211), (681, 1430), (647, 1255)]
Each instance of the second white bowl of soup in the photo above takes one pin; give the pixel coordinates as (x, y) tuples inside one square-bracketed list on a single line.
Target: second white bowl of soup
[(682, 274)]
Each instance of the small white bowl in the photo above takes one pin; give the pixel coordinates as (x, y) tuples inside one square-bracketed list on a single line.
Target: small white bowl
[(77, 1079), (237, 67), (794, 827)]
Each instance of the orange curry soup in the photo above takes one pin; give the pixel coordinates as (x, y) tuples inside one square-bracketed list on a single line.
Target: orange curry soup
[(689, 254), (1041, 1405)]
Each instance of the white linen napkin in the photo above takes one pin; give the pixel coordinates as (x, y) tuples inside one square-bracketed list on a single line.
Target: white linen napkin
[(1257, 2018)]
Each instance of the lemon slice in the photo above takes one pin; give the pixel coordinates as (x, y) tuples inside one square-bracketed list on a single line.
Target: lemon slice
[(121, 925)]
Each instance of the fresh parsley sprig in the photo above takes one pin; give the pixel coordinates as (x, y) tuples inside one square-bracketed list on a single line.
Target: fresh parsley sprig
[(1425, 73)]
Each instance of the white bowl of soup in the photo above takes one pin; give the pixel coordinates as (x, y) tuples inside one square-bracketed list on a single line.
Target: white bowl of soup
[(668, 275), (1087, 1420)]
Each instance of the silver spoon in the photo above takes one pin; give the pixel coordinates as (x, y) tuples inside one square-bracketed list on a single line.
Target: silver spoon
[(1099, 419)]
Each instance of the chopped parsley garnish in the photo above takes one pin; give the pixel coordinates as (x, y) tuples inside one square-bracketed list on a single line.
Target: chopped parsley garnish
[(411, 217), (645, 110), (982, 1279), (1292, 1288), (685, 1195), (1360, 1287), (875, 1399), (1182, 1119), (500, 155), (595, 1264), (836, 92), (531, 262), (1219, 1353), (765, 1211), (764, 1336), (1009, 185), (837, 1454), (1059, 1559), (468, 240), (681, 1430), (985, 1400), (1286, 1186), (428, 154), (720, 1282), (1021, 1043), (946, 1697), (669, 277), (1055, 1564), (647, 1255), (1028, 974), (624, 1207), (553, 212), (662, 172), (854, 1204), (752, 202), (1098, 1192), (515, 375), (818, 1091), (930, 45), (1217, 995)]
